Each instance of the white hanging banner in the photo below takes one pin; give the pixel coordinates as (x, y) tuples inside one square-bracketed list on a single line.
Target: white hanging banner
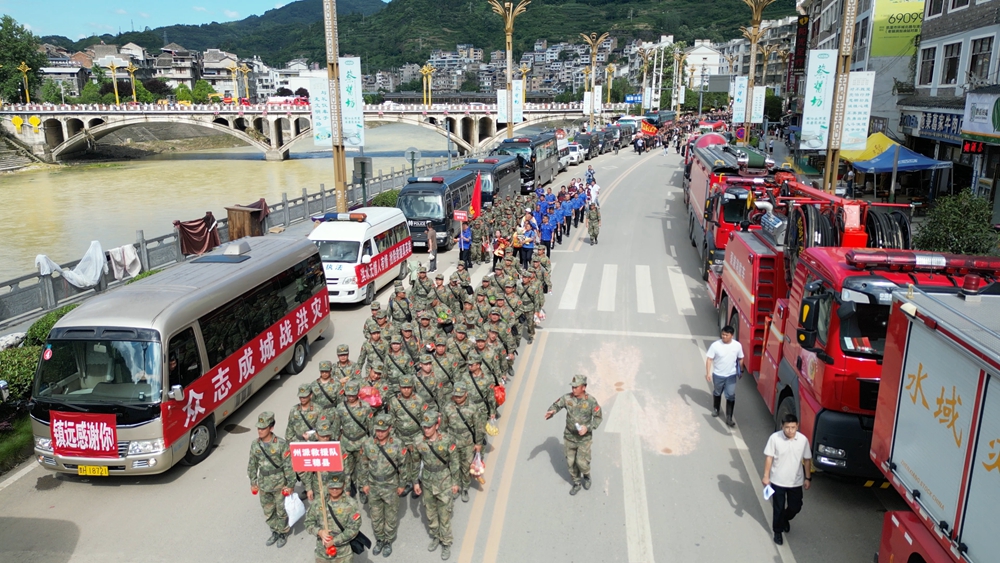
[(502, 106), (860, 87), (596, 97), (740, 101), (352, 102), (757, 106), (319, 103), (518, 101), (817, 97)]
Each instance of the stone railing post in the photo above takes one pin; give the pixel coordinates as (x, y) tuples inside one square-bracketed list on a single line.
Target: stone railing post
[(305, 204), (48, 292), (140, 239), (322, 194), (177, 245), (285, 216)]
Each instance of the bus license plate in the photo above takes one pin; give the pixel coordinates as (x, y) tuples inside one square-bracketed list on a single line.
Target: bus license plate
[(417, 243), (92, 470)]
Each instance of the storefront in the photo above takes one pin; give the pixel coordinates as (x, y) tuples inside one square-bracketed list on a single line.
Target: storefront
[(938, 134), (981, 133)]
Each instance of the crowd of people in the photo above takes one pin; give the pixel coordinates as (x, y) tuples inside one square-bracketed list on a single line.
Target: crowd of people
[(415, 407)]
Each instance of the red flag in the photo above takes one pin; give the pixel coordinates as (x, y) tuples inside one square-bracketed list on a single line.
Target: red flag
[(648, 128), (476, 207)]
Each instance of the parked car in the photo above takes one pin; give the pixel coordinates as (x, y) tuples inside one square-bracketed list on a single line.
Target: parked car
[(575, 153)]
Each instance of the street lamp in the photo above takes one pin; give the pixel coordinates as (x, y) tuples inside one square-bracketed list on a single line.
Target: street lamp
[(246, 83), (234, 74), (767, 51), (594, 41), (645, 54), (701, 90), (753, 33), (525, 69), (130, 69), (24, 68), (114, 78), (609, 74), (426, 71), (509, 12), (679, 59), (586, 79)]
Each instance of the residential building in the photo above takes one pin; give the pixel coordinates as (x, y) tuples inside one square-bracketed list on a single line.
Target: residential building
[(71, 78), (265, 79), (702, 60), (177, 65), (219, 70)]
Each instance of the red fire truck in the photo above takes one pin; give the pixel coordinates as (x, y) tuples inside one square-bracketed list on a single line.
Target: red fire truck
[(721, 181), (811, 314), (937, 428)]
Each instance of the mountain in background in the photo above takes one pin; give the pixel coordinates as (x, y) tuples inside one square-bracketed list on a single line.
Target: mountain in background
[(405, 31)]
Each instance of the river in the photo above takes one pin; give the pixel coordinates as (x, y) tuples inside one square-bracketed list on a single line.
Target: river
[(57, 211)]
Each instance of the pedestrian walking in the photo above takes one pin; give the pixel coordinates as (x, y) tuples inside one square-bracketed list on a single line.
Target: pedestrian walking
[(787, 469), (583, 416), (442, 466), (770, 146), (593, 223), (850, 182), (722, 370), (464, 241), (271, 477), (383, 459), (546, 229), (432, 247), (344, 517)]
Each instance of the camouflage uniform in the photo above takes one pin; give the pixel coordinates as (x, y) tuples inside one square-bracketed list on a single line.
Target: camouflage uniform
[(382, 466), (480, 386), (400, 309), (270, 471), (457, 296), (327, 429), (410, 343), (481, 305), (406, 414), (371, 351), (583, 412), (343, 510), (427, 334), (370, 321), (326, 392), (375, 381), (397, 364), (355, 425), (464, 279), (593, 223), (421, 290), (530, 295), (442, 468), (303, 420), (426, 384), (343, 372), (446, 370), (459, 344), (503, 332), (493, 360), (467, 425)]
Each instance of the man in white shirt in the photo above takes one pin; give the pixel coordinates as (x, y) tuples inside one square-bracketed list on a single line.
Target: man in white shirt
[(595, 192), (722, 370), (787, 468)]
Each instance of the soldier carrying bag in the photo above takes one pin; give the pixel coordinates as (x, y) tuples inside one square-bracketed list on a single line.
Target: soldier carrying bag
[(359, 542), (387, 458), (402, 404), (467, 425)]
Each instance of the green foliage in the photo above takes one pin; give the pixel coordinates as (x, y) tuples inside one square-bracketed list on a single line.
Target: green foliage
[(415, 85), (386, 199), (158, 87), (569, 96), (143, 95), (39, 330), (710, 100), (99, 75), (91, 94), (18, 45), (184, 93), (52, 91), (201, 91), (17, 368), (470, 83), (772, 107), (959, 224), (15, 444), (142, 275), (283, 92)]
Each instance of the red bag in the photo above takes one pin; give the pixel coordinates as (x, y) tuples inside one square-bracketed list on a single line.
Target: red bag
[(500, 394), (371, 395)]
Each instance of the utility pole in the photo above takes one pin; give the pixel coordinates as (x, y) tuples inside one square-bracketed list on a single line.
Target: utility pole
[(847, 20), (336, 124)]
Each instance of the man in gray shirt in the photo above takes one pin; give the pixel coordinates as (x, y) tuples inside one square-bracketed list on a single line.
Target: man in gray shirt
[(787, 468)]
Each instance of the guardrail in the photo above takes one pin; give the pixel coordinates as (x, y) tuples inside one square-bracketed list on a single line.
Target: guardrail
[(32, 295), (228, 109)]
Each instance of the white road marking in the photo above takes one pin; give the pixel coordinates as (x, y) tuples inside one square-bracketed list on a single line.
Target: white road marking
[(632, 334), (670, 195), (612, 167), (668, 225), (573, 285), (667, 207), (606, 299), (644, 290), (673, 251), (638, 533), (10, 480), (678, 285)]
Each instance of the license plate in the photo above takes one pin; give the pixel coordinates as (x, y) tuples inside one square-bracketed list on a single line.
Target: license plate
[(417, 223), (415, 243), (92, 470)]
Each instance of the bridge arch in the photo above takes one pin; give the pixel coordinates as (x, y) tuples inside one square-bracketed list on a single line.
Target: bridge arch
[(487, 128), (99, 128), (418, 120), (53, 131), (73, 126)]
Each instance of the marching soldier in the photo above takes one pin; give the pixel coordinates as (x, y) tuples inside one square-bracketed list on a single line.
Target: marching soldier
[(583, 416), (456, 293), (492, 361), (459, 345), (481, 385), (271, 477), (327, 429), (427, 332), (442, 467), (373, 350), (466, 423), (427, 384), (326, 389), (593, 223), (373, 320), (397, 363), (406, 409), (344, 517), (464, 279), (354, 417), (421, 290), (410, 342), (529, 295), (303, 417), (383, 459), (400, 309), (344, 368), (446, 369)]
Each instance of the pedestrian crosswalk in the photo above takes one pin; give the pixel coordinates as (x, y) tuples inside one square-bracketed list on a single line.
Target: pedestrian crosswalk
[(614, 294)]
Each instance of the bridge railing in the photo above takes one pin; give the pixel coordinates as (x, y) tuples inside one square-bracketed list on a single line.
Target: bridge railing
[(284, 108), (31, 295)]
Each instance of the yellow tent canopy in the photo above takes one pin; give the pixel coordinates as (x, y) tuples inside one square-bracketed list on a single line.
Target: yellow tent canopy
[(877, 144)]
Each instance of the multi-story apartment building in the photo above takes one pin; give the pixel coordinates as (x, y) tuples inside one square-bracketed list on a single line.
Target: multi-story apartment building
[(218, 69), (177, 65)]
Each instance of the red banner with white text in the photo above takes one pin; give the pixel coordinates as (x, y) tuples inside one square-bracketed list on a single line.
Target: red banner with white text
[(80, 434), (383, 262), (232, 374)]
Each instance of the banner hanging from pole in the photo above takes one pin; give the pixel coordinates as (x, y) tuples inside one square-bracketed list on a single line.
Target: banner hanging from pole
[(740, 100), (818, 95), (860, 87), (757, 107)]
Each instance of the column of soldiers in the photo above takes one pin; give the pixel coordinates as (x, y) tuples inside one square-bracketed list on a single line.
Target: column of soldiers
[(411, 412)]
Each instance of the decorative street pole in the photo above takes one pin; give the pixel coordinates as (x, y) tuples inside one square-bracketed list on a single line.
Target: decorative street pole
[(679, 60), (525, 69), (847, 21), (114, 79), (754, 33), (609, 76), (767, 51), (594, 41), (509, 12), (235, 74), (246, 83), (336, 124), (644, 54), (701, 89), (427, 71), (24, 68), (130, 69), (586, 79)]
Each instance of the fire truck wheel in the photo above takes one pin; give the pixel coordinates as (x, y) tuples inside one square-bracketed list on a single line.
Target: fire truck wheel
[(734, 321), (723, 312), (786, 406), (691, 230)]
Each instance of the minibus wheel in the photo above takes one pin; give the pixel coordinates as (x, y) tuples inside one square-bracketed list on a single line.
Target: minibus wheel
[(300, 355), (200, 442)]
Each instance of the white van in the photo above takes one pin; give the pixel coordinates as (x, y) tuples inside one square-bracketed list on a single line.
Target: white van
[(362, 251)]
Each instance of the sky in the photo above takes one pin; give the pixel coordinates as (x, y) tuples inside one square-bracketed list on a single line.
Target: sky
[(78, 19)]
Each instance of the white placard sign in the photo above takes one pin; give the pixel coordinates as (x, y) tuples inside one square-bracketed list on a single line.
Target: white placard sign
[(817, 97), (740, 100), (757, 107)]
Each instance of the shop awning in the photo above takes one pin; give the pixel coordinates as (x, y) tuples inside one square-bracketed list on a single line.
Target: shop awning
[(909, 161), (876, 145)]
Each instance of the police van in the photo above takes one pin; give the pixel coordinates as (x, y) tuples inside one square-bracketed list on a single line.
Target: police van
[(501, 176), (362, 251), (433, 200)]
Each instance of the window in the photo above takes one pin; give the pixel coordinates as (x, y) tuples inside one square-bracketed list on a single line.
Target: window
[(979, 61), (184, 361), (957, 4), (949, 67), (927, 65), (934, 7)]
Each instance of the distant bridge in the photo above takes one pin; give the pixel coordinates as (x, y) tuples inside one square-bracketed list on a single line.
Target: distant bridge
[(56, 132)]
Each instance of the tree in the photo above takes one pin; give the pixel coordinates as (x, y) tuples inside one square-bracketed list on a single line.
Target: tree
[(91, 94), (18, 45), (283, 92), (959, 224), (143, 95), (184, 93), (470, 83), (53, 92), (772, 107), (157, 87), (201, 91), (99, 75), (302, 92), (411, 86)]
